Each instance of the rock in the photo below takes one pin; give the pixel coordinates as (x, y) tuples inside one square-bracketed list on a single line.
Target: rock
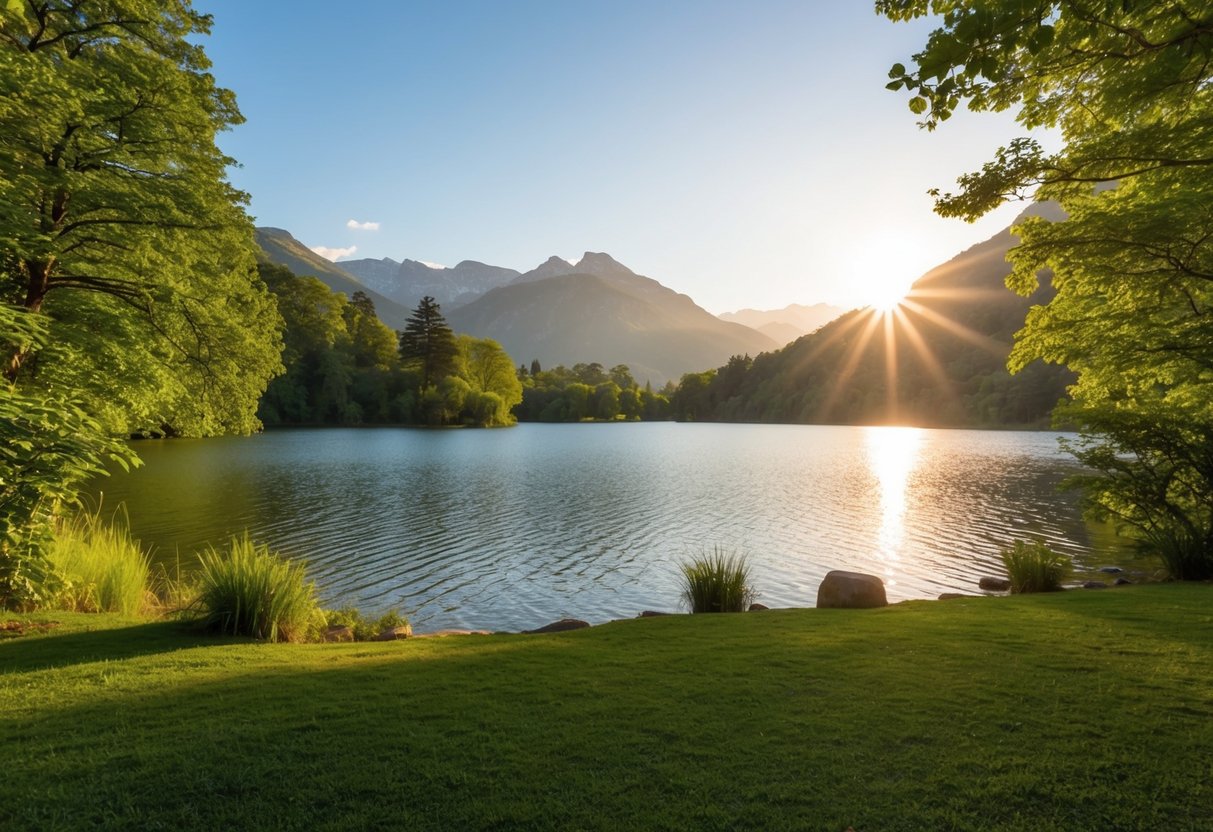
[(995, 584), (1123, 582), (850, 590), (1094, 585), (948, 596), (652, 614), (560, 626), (339, 634), (756, 607), (1111, 570), (395, 633)]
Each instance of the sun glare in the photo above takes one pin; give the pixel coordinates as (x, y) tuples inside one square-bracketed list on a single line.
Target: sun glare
[(883, 269)]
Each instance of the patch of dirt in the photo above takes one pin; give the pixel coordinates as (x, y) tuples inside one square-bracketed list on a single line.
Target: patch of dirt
[(15, 629)]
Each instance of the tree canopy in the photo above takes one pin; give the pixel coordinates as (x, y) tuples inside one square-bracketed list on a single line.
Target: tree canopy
[(1129, 87), (117, 220)]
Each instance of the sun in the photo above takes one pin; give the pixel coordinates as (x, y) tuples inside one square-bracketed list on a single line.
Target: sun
[(885, 295), (882, 270)]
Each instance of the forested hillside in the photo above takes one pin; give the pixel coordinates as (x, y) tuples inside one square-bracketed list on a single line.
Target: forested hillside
[(940, 359)]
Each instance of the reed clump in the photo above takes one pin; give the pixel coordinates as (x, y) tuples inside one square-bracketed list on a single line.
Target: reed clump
[(718, 581), (1034, 567), (244, 589)]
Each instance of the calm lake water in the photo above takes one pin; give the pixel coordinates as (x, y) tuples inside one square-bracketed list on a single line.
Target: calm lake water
[(511, 529)]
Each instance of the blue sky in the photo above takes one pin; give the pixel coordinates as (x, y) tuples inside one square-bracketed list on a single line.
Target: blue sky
[(746, 154)]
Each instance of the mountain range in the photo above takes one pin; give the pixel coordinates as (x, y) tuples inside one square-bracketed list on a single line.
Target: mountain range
[(595, 310), (600, 310)]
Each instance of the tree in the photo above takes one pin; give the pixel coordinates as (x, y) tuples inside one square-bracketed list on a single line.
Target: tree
[(428, 344), (117, 220), (489, 369), (1130, 88)]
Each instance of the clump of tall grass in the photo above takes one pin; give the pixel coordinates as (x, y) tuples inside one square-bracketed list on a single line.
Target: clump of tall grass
[(717, 582), (247, 590), (1034, 567), (1185, 554), (102, 569)]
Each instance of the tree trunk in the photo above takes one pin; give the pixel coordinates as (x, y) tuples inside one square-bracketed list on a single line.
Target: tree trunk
[(35, 293)]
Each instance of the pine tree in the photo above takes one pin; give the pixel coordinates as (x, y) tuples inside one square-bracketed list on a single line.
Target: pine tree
[(427, 344)]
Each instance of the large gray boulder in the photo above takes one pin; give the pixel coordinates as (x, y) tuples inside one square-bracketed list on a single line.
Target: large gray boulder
[(851, 590)]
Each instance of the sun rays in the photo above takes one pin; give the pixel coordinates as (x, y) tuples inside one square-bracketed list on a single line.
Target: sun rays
[(894, 346)]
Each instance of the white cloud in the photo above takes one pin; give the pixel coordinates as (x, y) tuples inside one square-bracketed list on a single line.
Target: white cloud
[(432, 265), (334, 254), (362, 226)]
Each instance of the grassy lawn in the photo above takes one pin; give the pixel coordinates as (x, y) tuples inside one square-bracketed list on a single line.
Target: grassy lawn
[(1082, 710)]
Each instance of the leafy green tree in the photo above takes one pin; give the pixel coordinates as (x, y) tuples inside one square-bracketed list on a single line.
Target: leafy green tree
[(428, 344), (489, 369), (1129, 86), (118, 222), (372, 341)]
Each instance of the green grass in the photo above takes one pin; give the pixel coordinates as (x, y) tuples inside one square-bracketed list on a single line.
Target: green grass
[(717, 582), (1034, 567), (247, 590), (102, 567), (1069, 711)]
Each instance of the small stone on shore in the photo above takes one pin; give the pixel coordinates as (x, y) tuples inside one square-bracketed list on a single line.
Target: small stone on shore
[(995, 584), (395, 633)]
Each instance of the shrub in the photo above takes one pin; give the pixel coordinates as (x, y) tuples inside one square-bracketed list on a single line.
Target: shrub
[(717, 582), (247, 590), (101, 568), (364, 629), (1034, 567)]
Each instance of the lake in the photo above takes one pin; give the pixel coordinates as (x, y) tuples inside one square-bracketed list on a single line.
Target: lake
[(511, 529)]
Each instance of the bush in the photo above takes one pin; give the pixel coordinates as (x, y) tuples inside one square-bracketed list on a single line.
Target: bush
[(1185, 555), (246, 590), (364, 629), (101, 569), (717, 582), (1034, 567)]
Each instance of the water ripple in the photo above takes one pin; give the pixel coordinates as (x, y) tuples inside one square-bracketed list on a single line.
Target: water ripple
[(510, 529)]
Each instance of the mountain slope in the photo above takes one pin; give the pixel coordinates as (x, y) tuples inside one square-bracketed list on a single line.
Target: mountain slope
[(599, 310), (410, 281), (940, 360), (278, 246)]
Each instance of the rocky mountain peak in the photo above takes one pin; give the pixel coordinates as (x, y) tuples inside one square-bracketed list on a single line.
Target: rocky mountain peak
[(601, 264)]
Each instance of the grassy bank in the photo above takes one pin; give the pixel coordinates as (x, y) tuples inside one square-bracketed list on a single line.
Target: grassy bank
[(1081, 710)]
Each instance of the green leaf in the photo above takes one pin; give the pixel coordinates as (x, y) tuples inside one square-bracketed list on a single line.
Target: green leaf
[(918, 105)]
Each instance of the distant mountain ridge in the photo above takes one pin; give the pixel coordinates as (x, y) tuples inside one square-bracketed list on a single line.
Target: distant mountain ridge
[(409, 281), (787, 324)]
